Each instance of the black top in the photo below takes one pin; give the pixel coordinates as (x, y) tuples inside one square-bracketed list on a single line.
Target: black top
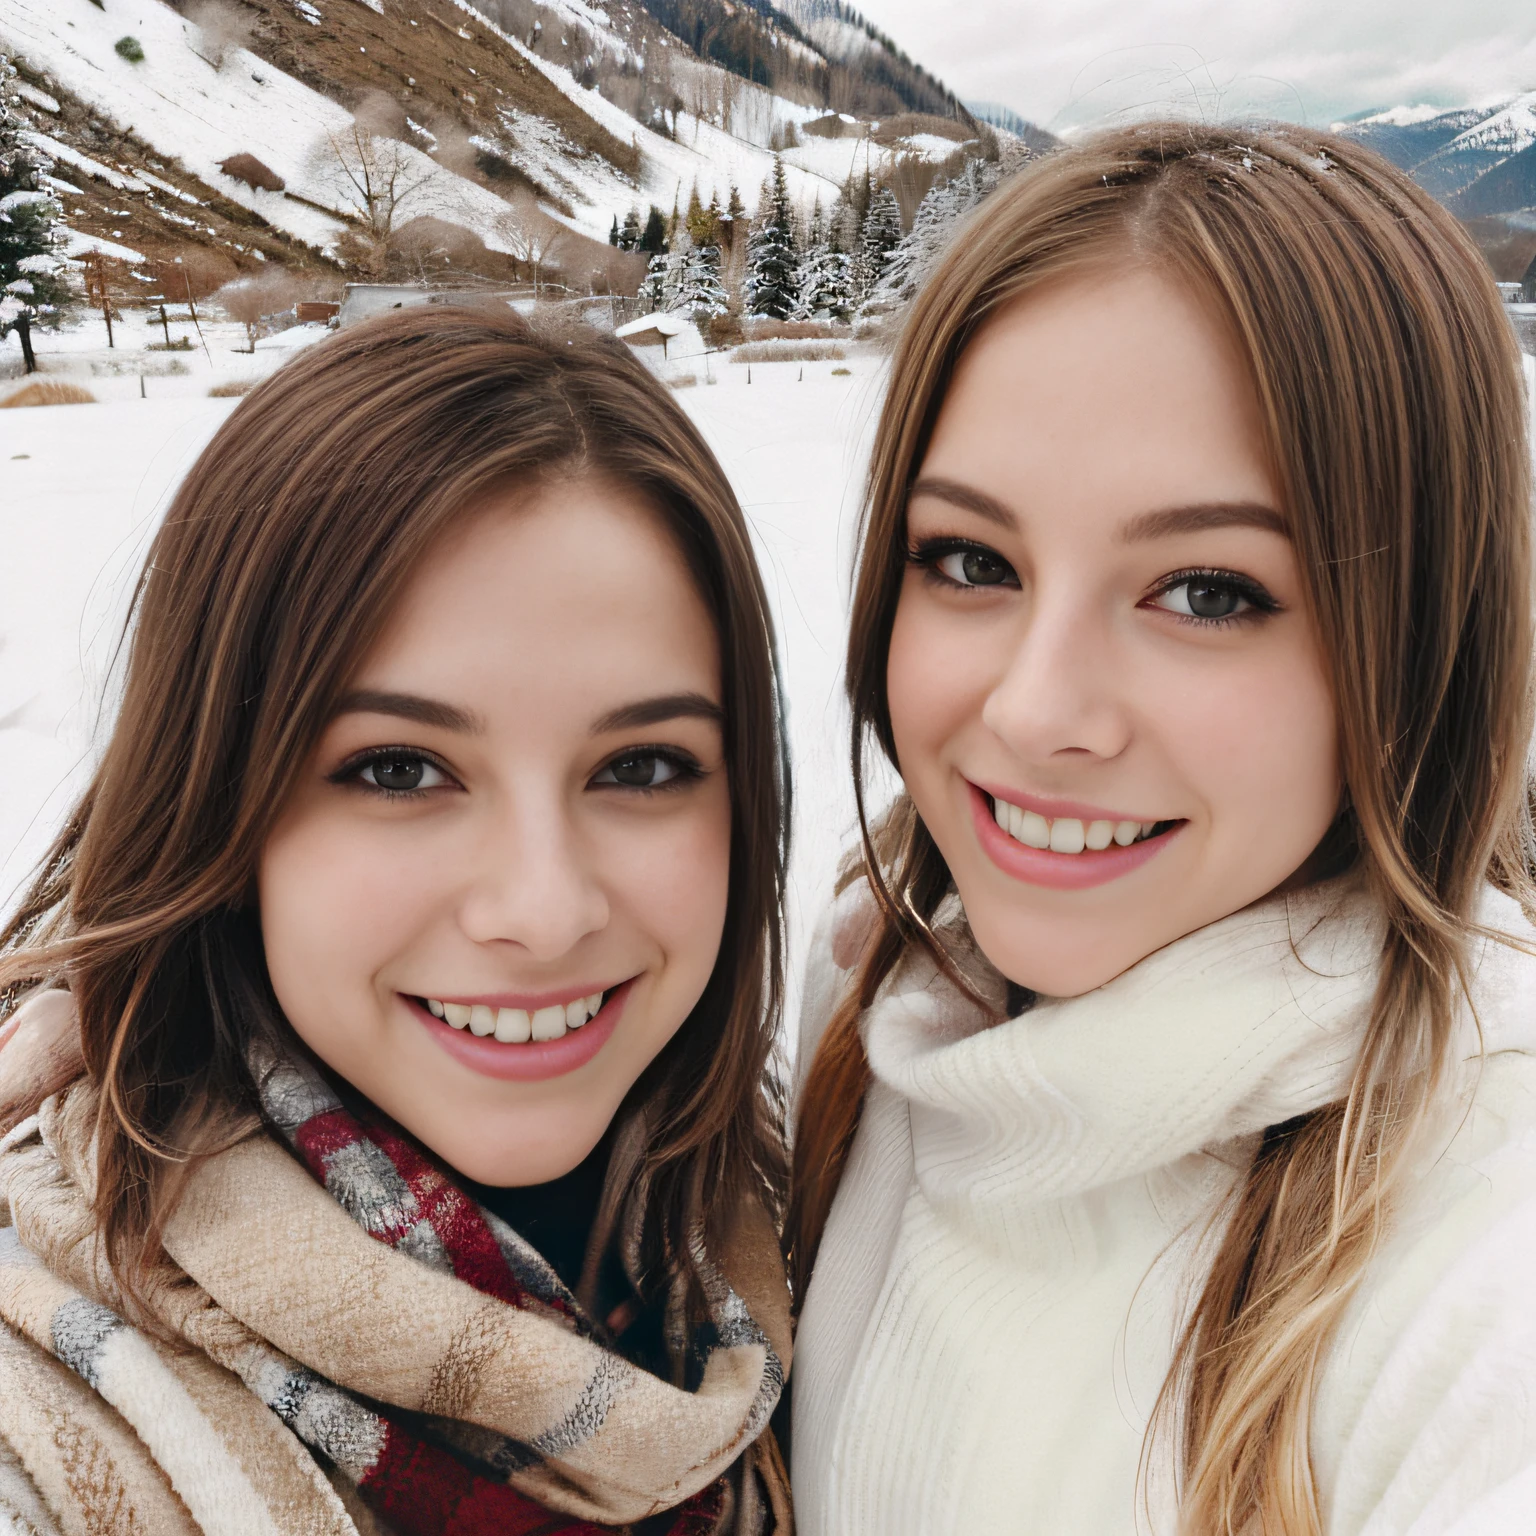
[(557, 1218)]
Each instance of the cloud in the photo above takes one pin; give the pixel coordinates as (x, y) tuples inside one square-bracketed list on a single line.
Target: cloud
[(1086, 61)]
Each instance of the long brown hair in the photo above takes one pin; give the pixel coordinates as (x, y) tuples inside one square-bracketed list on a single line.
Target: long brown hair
[(1391, 392), (277, 564)]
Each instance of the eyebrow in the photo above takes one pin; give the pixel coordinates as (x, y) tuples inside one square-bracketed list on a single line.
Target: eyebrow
[(666, 706), (1199, 517), (410, 706)]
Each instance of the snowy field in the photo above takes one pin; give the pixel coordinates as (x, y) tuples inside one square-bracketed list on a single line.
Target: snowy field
[(85, 485)]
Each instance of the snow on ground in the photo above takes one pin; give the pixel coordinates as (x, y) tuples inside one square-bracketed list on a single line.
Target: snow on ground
[(86, 486)]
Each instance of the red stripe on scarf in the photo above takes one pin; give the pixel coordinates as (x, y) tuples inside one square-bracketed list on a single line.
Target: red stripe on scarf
[(462, 1230), (420, 1490)]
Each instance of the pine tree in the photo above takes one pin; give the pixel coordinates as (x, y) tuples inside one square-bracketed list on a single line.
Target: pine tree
[(653, 287), (771, 290), (654, 238), (700, 292), (33, 287), (937, 217), (629, 235), (879, 237), (613, 233)]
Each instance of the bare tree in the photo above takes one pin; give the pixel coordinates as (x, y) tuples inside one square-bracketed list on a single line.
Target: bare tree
[(373, 177), (223, 27), (250, 300), (530, 234)]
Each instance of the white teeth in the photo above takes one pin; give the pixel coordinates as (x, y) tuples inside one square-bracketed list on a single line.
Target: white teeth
[(594, 1005), (482, 1020), (456, 1014), (549, 1023), (1067, 835), (576, 1013), (1034, 830), (434, 1007), (512, 1026)]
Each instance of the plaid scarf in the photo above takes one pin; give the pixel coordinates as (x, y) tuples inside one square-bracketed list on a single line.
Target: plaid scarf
[(453, 1381)]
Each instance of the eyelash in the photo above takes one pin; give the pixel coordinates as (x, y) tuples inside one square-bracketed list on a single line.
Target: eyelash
[(927, 553), (1260, 602), (688, 769), (686, 766), (347, 774)]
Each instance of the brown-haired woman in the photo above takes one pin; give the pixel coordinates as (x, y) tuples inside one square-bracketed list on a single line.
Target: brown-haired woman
[(414, 1166), (1168, 1155)]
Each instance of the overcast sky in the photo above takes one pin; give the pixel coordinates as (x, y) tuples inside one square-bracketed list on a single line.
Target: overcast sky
[(1066, 63)]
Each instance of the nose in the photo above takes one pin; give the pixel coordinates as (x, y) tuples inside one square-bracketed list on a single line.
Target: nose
[(1063, 689), (534, 884)]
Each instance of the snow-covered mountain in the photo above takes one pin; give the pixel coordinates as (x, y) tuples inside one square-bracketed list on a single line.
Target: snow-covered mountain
[(592, 107), (1478, 160)]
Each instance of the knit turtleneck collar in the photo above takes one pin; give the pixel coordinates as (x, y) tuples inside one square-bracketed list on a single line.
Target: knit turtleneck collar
[(1238, 1026)]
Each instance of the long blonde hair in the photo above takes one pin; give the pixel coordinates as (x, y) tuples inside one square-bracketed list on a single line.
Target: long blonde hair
[(1395, 418)]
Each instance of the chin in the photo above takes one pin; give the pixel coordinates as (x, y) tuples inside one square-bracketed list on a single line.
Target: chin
[(1052, 962)]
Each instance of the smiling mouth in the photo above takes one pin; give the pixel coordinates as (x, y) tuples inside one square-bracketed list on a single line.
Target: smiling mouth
[(1070, 834), (519, 1026)]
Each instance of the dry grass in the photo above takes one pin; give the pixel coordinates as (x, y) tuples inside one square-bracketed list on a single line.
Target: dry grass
[(789, 352), (684, 381), (49, 392), (842, 373), (232, 389), (793, 330)]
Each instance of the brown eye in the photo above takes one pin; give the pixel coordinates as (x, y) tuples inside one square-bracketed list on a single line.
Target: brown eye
[(639, 770), (401, 772)]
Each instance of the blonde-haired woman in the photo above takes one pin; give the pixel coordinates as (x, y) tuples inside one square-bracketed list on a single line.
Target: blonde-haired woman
[(1166, 1157)]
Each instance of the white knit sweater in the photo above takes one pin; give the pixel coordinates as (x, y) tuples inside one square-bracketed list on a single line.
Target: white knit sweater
[(1025, 1215)]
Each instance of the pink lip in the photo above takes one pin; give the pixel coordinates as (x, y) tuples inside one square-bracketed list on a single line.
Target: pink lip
[(536, 1061), (1060, 871)]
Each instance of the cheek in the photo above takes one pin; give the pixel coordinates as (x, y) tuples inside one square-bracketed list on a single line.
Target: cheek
[(336, 905), (671, 878), (935, 681), (1265, 749)]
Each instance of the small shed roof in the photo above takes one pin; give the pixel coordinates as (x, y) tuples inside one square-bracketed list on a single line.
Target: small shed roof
[(660, 322)]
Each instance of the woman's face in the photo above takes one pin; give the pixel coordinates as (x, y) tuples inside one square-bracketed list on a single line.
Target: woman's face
[(501, 883), (1108, 700)]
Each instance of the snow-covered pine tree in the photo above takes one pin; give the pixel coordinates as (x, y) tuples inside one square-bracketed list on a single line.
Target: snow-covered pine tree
[(613, 233), (676, 263), (937, 216), (878, 238), (771, 255), (629, 235), (653, 286), (34, 291), (700, 292), (825, 275)]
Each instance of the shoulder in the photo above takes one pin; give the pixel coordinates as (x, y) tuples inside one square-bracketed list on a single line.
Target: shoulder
[(1427, 1403)]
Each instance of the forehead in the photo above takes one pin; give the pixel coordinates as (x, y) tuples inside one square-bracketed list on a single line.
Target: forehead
[(572, 596), (1099, 397)]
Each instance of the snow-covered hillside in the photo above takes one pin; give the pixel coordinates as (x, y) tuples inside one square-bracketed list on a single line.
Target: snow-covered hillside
[(195, 114)]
